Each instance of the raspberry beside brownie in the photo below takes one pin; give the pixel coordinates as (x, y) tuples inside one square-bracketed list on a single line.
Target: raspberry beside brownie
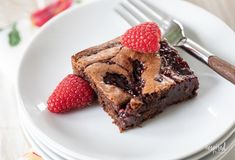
[(133, 87)]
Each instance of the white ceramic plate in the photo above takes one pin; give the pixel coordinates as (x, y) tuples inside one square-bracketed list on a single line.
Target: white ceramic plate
[(39, 147), (34, 145), (40, 143), (227, 141), (179, 132)]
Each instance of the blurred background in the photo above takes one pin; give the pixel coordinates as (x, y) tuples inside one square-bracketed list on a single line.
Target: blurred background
[(11, 10)]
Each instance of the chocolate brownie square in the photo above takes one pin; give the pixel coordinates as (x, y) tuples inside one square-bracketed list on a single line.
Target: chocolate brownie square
[(133, 87)]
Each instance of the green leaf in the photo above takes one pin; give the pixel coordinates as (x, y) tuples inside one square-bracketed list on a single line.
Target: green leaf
[(14, 36), (78, 1)]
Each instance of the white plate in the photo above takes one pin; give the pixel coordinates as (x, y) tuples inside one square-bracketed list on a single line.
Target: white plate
[(227, 142), (179, 132), (34, 145), (41, 143), (39, 147), (222, 148)]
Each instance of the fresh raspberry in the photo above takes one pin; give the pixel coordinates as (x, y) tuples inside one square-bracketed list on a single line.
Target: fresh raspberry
[(143, 38), (71, 93), (41, 16)]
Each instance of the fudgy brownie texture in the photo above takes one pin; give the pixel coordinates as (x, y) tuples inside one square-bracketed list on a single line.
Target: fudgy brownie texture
[(133, 87)]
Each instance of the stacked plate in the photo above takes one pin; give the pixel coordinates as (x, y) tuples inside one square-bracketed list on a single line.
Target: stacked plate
[(189, 130), (47, 150)]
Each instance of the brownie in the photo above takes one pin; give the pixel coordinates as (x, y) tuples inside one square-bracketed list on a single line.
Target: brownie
[(133, 87)]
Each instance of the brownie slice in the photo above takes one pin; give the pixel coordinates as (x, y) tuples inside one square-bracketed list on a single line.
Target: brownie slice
[(133, 87)]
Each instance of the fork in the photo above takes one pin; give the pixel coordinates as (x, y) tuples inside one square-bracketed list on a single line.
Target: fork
[(139, 11)]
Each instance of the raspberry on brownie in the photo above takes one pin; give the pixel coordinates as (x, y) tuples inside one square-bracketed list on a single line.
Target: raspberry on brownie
[(133, 87)]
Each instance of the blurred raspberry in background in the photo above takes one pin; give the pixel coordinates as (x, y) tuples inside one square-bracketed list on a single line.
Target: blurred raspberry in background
[(41, 16)]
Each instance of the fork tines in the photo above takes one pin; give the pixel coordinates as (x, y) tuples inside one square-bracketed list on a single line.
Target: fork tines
[(139, 11)]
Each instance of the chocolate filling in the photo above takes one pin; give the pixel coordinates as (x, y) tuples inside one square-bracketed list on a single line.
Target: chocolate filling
[(117, 80), (138, 68), (170, 57), (122, 82)]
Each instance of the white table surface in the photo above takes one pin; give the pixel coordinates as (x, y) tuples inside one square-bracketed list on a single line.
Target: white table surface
[(12, 141)]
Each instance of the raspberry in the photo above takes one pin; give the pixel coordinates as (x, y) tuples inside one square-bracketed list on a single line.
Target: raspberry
[(41, 16), (143, 38), (72, 93)]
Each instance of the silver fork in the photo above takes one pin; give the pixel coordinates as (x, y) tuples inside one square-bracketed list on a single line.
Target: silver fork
[(139, 11)]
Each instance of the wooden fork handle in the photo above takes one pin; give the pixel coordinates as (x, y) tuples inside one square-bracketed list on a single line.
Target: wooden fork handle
[(219, 65), (222, 67)]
